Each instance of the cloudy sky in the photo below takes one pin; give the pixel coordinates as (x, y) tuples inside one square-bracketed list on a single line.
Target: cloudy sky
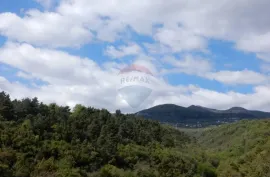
[(211, 53)]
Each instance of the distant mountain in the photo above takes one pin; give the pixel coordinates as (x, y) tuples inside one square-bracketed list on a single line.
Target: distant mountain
[(200, 108), (198, 116)]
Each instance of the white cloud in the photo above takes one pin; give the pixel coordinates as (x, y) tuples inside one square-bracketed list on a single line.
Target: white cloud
[(259, 44), (185, 25), (46, 3), (203, 68), (45, 29), (190, 95), (157, 48), (238, 77), (180, 39), (189, 65), (113, 67), (126, 50), (181, 95), (24, 75), (74, 83), (49, 65), (149, 63), (265, 67), (264, 56), (70, 79)]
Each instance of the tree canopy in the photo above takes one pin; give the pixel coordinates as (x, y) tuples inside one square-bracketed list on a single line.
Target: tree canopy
[(39, 140)]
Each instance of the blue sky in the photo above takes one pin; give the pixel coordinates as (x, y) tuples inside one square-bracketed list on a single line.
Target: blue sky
[(44, 45), (16, 6)]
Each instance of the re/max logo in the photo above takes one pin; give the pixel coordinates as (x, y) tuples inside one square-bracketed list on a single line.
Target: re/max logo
[(141, 79)]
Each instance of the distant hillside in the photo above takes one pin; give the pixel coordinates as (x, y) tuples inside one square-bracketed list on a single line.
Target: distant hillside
[(198, 116), (242, 148)]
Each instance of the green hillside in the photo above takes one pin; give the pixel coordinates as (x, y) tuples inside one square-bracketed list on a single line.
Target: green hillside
[(38, 140), (242, 148), (41, 140)]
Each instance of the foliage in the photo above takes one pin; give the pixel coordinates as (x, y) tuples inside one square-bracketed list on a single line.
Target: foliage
[(51, 140), (243, 148), (38, 140)]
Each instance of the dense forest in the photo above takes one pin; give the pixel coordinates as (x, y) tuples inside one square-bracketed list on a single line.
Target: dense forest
[(39, 140), (242, 148)]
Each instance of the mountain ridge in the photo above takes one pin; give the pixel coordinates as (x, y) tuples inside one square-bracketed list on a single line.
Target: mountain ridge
[(199, 116)]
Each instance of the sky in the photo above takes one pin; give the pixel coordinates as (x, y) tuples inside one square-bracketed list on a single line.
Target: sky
[(212, 53)]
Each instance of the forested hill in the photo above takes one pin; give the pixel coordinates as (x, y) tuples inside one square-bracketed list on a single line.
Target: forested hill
[(41, 140), (38, 140), (243, 148), (198, 116)]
